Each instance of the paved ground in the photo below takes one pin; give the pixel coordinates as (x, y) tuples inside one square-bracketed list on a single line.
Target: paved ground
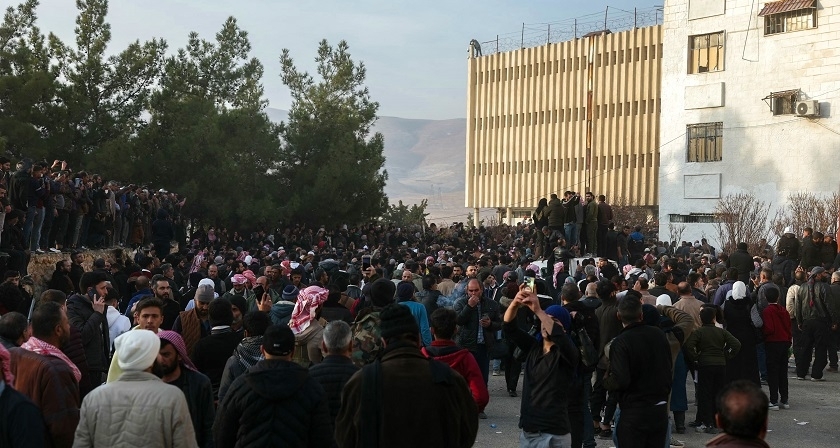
[(813, 420)]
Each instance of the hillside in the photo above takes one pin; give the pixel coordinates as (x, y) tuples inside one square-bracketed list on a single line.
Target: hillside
[(424, 159)]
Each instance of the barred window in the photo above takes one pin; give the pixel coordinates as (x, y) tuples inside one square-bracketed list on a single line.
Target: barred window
[(705, 53), (705, 142), (789, 15)]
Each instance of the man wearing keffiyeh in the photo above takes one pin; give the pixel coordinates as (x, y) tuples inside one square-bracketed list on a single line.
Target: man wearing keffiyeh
[(304, 322), (46, 376), (174, 367)]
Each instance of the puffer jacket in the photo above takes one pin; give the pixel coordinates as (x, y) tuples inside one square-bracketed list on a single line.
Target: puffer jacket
[(136, 410), (95, 335), (463, 362), (555, 212), (275, 400), (333, 373)]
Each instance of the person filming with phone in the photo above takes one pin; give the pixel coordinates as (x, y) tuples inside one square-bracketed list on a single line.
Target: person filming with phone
[(86, 312)]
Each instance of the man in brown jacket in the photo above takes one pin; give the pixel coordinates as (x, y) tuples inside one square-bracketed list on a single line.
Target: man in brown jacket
[(46, 376), (194, 324)]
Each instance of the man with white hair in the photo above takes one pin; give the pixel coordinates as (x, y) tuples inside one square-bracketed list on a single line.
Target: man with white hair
[(337, 367), (121, 413)]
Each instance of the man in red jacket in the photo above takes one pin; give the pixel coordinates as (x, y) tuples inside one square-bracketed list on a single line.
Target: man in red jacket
[(777, 336), (444, 349)]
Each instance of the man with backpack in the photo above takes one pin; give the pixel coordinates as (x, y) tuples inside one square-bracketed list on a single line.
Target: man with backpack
[(382, 405)]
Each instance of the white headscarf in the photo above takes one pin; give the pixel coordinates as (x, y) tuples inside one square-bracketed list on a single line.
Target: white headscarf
[(664, 299), (739, 291)]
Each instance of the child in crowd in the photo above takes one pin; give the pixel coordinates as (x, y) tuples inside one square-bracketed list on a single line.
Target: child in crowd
[(777, 337)]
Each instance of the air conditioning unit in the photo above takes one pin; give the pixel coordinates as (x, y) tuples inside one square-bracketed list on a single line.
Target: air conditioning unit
[(809, 108)]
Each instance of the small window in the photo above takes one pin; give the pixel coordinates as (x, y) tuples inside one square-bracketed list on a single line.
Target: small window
[(705, 142), (693, 218), (788, 15), (705, 53)]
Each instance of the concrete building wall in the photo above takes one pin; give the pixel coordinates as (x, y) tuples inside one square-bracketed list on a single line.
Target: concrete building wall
[(575, 115), (771, 156)]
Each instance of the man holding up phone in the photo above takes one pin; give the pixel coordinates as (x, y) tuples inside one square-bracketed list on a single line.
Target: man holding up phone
[(86, 312)]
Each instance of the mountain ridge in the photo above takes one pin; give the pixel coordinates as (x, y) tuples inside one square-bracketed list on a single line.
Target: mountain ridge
[(425, 159)]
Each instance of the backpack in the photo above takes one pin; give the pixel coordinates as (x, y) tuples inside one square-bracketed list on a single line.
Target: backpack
[(588, 352), (367, 341)]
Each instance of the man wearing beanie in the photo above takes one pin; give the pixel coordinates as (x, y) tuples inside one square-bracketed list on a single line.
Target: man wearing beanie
[(276, 400), (379, 417), (194, 324), (123, 413)]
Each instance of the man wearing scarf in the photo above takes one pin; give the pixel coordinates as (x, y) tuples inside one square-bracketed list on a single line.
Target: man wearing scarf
[(21, 423), (45, 374), (247, 353), (174, 367), (304, 324), (550, 367)]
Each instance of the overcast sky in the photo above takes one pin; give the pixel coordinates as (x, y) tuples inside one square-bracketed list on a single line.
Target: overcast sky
[(415, 52)]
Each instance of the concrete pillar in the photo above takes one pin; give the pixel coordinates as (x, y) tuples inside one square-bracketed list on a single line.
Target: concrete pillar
[(509, 216), (476, 216)]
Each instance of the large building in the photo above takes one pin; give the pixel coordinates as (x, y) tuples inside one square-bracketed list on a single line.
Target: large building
[(747, 93), (580, 115)]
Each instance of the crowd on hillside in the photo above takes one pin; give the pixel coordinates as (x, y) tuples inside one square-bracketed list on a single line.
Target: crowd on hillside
[(50, 207), (347, 336)]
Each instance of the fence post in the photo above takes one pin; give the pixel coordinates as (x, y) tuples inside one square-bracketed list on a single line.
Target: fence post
[(575, 28), (522, 37), (635, 18), (606, 12), (548, 36), (497, 43)]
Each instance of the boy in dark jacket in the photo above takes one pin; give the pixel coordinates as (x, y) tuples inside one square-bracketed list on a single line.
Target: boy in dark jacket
[(444, 349), (709, 347), (777, 337)]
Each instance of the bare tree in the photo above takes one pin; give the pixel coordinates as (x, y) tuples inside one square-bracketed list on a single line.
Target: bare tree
[(675, 232), (805, 209), (739, 218), (627, 212)]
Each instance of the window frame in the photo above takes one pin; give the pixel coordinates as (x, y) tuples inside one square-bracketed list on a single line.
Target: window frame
[(781, 20), (712, 131), (694, 50)]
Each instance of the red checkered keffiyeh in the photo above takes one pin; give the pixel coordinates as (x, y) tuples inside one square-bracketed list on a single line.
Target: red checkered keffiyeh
[(45, 349), (178, 342), (306, 306)]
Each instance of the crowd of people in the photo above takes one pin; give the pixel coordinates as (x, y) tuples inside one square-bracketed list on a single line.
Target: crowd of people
[(371, 335), (49, 207)]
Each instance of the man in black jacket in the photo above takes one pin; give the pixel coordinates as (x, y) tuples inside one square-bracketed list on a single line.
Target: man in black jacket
[(478, 321), (277, 400), (640, 374), (86, 312), (742, 261), (583, 319), (337, 367), (550, 368)]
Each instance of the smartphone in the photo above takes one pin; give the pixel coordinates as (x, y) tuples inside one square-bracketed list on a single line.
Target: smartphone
[(531, 283), (258, 292), (365, 262)]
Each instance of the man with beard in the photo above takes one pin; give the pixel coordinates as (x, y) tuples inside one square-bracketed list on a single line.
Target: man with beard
[(60, 279), (174, 367), (193, 325), (162, 289), (247, 353), (218, 285), (76, 268), (148, 315), (47, 376), (111, 414)]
